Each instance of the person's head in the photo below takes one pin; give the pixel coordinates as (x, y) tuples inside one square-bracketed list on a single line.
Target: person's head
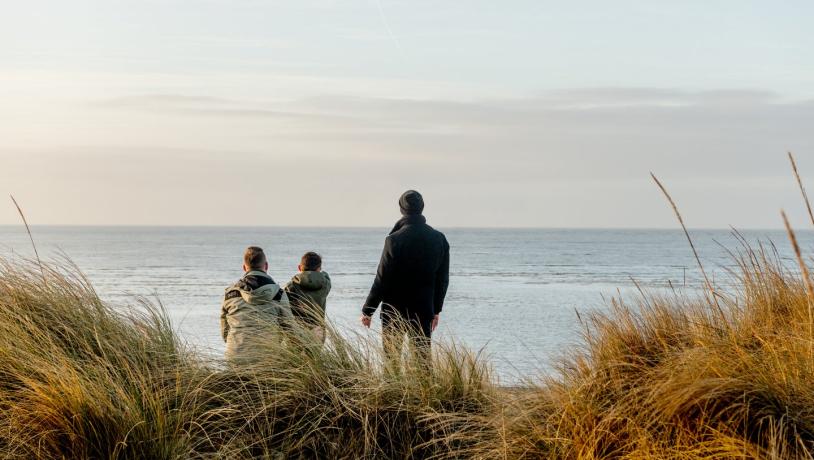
[(411, 203), (255, 259), (310, 262)]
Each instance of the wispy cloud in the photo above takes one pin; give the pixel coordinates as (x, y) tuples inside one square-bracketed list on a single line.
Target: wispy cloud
[(607, 113), (626, 97)]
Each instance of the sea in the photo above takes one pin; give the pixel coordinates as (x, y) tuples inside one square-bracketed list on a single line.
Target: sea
[(518, 296)]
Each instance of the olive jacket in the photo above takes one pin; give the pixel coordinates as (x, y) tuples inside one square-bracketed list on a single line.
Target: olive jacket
[(308, 293)]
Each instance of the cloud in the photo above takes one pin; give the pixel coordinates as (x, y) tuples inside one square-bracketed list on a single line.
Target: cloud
[(153, 101), (187, 105), (627, 97), (510, 111), (612, 128)]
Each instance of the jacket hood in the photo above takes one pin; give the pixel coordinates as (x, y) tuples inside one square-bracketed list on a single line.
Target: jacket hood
[(310, 281), (263, 294)]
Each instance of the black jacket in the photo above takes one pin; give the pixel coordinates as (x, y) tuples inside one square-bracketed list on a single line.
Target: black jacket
[(413, 273)]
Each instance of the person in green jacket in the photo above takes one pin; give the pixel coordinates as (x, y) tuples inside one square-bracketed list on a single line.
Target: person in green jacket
[(255, 309), (308, 291)]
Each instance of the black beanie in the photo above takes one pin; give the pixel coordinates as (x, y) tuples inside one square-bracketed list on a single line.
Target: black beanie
[(411, 203)]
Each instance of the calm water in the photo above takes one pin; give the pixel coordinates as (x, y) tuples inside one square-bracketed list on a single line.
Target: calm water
[(514, 292)]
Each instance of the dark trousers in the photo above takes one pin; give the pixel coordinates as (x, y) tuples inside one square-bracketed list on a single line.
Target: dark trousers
[(396, 325)]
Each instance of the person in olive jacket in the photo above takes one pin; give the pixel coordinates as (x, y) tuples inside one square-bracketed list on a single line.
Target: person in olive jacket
[(411, 281), (308, 294)]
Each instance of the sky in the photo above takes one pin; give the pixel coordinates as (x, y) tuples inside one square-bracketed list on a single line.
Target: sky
[(320, 113)]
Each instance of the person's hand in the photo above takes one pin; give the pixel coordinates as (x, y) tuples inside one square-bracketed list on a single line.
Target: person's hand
[(365, 320), (435, 320)]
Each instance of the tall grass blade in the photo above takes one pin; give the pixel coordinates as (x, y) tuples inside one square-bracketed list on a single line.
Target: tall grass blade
[(802, 188), (709, 285), (30, 236), (805, 275)]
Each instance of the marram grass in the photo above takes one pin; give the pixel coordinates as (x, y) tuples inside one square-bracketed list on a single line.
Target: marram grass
[(661, 376)]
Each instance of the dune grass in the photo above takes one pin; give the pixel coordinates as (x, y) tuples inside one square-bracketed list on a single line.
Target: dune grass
[(661, 376), (81, 379), (667, 377)]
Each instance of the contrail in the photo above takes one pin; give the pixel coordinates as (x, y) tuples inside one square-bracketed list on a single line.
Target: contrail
[(387, 25)]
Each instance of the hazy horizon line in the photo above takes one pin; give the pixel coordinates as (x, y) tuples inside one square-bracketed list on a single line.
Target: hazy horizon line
[(371, 227)]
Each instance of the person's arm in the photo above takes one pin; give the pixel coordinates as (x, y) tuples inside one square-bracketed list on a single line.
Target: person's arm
[(224, 324), (285, 320), (380, 282), (285, 308), (442, 280), (294, 296), (327, 293)]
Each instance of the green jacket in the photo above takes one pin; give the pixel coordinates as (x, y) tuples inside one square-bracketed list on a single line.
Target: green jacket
[(308, 292), (253, 311)]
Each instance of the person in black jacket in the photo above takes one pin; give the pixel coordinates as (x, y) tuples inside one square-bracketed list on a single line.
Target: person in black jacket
[(411, 281)]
